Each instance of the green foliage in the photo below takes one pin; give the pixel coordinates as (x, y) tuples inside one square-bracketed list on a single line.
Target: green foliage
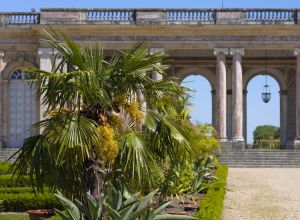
[(25, 201), (268, 132), (211, 207), (90, 95), (114, 206), (5, 168), (12, 216), (14, 181), (16, 190)]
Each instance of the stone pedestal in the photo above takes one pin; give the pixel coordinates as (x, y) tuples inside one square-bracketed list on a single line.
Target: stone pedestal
[(237, 97), (220, 119)]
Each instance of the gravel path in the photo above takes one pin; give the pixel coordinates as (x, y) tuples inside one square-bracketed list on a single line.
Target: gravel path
[(262, 194)]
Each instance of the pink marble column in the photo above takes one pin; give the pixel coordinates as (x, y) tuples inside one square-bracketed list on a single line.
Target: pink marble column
[(297, 140), (221, 93), (237, 95)]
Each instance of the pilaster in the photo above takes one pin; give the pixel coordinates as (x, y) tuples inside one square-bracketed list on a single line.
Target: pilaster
[(2, 142), (45, 60), (297, 139)]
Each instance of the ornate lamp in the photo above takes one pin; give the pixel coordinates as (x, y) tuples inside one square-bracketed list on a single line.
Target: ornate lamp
[(266, 94)]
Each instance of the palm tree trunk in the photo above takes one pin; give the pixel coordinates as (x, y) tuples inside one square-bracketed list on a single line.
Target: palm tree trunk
[(94, 178)]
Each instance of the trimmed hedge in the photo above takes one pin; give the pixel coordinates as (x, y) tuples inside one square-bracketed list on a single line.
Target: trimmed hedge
[(16, 190), (26, 201), (9, 181), (211, 207), (5, 168)]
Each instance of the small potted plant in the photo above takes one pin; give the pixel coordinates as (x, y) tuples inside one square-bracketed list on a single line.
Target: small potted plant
[(40, 214)]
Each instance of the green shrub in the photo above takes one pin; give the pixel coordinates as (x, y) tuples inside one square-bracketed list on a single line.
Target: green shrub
[(5, 168), (26, 201), (16, 190), (211, 207), (9, 216), (8, 181)]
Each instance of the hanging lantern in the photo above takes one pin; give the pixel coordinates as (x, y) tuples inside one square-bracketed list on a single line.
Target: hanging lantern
[(266, 94)]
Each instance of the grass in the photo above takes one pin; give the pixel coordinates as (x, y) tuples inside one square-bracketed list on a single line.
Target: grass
[(13, 216), (211, 207)]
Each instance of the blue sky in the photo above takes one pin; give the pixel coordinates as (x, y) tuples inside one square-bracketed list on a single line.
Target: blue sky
[(258, 112), (26, 5)]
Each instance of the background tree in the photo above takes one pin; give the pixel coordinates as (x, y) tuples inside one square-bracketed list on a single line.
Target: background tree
[(267, 135)]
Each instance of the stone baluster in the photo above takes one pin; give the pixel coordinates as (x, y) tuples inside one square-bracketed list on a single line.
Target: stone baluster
[(45, 55), (220, 119), (297, 139), (237, 95)]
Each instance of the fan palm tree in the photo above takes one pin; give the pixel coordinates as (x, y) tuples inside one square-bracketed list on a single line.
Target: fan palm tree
[(94, 129)]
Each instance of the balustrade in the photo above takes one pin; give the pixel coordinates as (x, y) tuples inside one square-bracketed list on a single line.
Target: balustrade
[(279, 16), (22, 18), (176, 16), (191, 15), (109, 15)]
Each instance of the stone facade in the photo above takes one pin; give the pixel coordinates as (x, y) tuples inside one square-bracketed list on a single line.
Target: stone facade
[(226, 46)]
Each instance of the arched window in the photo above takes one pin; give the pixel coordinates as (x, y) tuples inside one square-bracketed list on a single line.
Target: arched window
[(22, 108)]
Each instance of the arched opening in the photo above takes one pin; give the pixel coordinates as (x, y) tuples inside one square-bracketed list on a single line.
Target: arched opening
[(201, 98), (22, 108), (259, 113)]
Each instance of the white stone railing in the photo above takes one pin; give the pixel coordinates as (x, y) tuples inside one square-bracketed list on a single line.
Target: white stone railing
[(154, 16), (21, 18), (271, 15), (196, 15), (98, 15)]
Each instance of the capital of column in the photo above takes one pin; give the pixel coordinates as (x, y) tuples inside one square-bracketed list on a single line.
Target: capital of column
[(283, 92), (45, 52), (240, 51), (297, 51), (217, 51), (156, 50)]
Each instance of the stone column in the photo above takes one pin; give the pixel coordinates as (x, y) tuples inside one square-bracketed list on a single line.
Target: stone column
[(155, 75), (283, 117), (297, 139), (237, 95), (213, 103), (45, 55), (221, 93), (2, 143)]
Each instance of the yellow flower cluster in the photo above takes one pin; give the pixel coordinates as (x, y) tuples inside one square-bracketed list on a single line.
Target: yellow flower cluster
[(133, 110), (109, 147)]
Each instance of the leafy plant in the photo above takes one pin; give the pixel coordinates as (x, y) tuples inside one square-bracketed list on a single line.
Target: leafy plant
[(115, 207), (94, 129)]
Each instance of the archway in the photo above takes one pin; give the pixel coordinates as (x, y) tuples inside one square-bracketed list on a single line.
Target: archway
[(201, 99), (258, 113), (22, 108)]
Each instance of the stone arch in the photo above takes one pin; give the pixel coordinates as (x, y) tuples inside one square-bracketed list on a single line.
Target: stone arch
[(208, 75), (202, 71), (274, 72), (12, 66), (5, 96), (280, 79)]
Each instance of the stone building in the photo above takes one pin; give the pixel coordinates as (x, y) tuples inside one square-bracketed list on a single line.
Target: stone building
[(227, 46)]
